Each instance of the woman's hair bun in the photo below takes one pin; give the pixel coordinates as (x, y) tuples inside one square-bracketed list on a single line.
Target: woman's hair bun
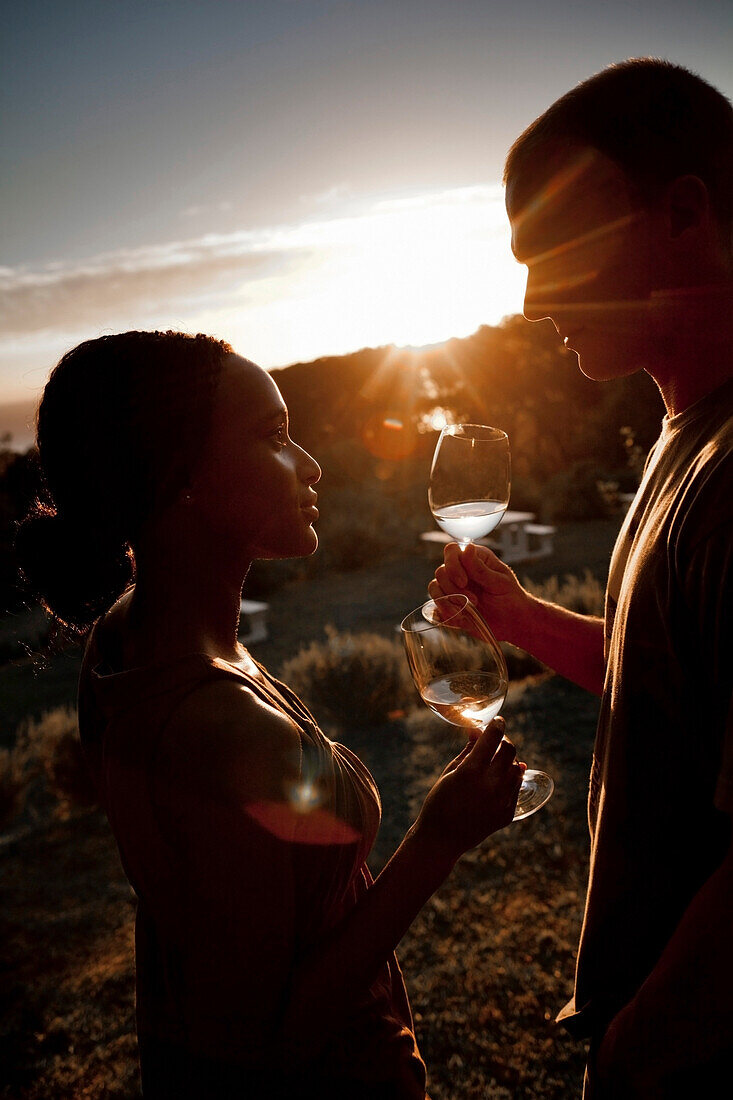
[(76, 571)]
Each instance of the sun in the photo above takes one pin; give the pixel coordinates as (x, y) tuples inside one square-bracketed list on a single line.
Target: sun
[(438, 420), (413, 271), (433, 271)]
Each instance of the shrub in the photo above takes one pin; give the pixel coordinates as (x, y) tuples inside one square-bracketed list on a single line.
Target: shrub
[(575, 494), (15, 777), (361, 524), (350, 541), (585, 595), (52, 743), (358, 678), (520, 664)]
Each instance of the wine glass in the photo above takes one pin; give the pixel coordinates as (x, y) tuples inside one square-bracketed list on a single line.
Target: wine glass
[(469, 480), (460, 672)]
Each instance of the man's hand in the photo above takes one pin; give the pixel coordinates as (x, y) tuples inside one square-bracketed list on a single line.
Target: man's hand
[(572, 644), (490, 584)]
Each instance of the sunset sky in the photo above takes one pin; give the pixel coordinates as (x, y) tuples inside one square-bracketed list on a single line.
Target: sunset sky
[(299, 177)]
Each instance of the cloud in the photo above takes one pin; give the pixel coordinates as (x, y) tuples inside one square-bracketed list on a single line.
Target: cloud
[(338, 193), (206, 208), (64, 297), (401, 268), (490, 194)]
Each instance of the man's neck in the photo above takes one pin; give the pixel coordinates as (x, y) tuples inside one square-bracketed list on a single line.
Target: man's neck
[(680, 390), (694, 352)]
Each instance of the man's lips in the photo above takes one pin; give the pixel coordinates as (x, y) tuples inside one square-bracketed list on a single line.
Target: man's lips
[(568, 340)]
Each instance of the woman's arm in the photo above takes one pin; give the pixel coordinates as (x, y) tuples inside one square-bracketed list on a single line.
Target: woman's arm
[(253, 751), (475, 796)]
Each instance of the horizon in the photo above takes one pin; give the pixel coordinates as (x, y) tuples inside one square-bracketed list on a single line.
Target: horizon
[(16, 428)]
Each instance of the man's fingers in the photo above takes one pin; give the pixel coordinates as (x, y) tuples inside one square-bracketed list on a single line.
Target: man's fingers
[(435, 591), (441, 585), (483, 565), (453, 566), (480, 565)]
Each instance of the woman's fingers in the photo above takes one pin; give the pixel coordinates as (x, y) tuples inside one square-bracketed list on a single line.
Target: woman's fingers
[(492, 749), (457, 760), (505, 755), (486, 745)]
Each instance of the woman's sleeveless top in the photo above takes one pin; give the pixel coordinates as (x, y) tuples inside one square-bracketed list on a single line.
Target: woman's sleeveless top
[(228, 1010)]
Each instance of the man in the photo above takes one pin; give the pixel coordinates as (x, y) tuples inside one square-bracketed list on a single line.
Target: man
[(620, 199)]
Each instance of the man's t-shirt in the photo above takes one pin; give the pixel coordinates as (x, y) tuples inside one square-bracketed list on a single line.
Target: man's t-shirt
[(661, 787)]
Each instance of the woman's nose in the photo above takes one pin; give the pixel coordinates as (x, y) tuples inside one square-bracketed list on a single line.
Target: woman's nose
[(311, 471)]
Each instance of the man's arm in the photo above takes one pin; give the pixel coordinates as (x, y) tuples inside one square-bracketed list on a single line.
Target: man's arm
[(569, 643), (682, 1016)]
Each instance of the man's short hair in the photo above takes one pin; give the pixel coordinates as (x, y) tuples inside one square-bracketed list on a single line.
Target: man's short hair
[(657, 120)]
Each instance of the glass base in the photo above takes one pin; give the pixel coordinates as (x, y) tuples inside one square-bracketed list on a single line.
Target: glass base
[(536, 789)]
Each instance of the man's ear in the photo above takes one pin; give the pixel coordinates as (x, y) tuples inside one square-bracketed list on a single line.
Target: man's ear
[(687, 205)]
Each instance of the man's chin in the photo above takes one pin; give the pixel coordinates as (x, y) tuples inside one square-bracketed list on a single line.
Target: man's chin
[(602, 370)]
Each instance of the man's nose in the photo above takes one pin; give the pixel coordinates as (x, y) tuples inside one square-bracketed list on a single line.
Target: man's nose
[(534, 308)]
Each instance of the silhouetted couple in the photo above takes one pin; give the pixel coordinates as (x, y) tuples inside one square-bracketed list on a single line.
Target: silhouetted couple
[(264, 950)]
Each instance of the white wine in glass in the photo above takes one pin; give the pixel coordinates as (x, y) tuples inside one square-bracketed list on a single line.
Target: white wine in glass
[(460, 672), (470, 480)]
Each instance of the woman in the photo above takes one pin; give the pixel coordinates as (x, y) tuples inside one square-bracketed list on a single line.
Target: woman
[(264, 951)]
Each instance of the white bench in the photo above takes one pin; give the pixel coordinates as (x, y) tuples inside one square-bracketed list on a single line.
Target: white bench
[(253, 621), (516, 539), (539, 538)]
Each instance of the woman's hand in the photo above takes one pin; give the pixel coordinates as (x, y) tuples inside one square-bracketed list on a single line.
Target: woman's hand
[(490, 584), (475, 795)]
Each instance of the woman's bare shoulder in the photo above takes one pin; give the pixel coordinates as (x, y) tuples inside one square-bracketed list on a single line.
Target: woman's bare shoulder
[(223, 735)]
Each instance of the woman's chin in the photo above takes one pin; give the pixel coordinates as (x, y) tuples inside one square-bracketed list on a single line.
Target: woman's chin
[(305, 548)]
